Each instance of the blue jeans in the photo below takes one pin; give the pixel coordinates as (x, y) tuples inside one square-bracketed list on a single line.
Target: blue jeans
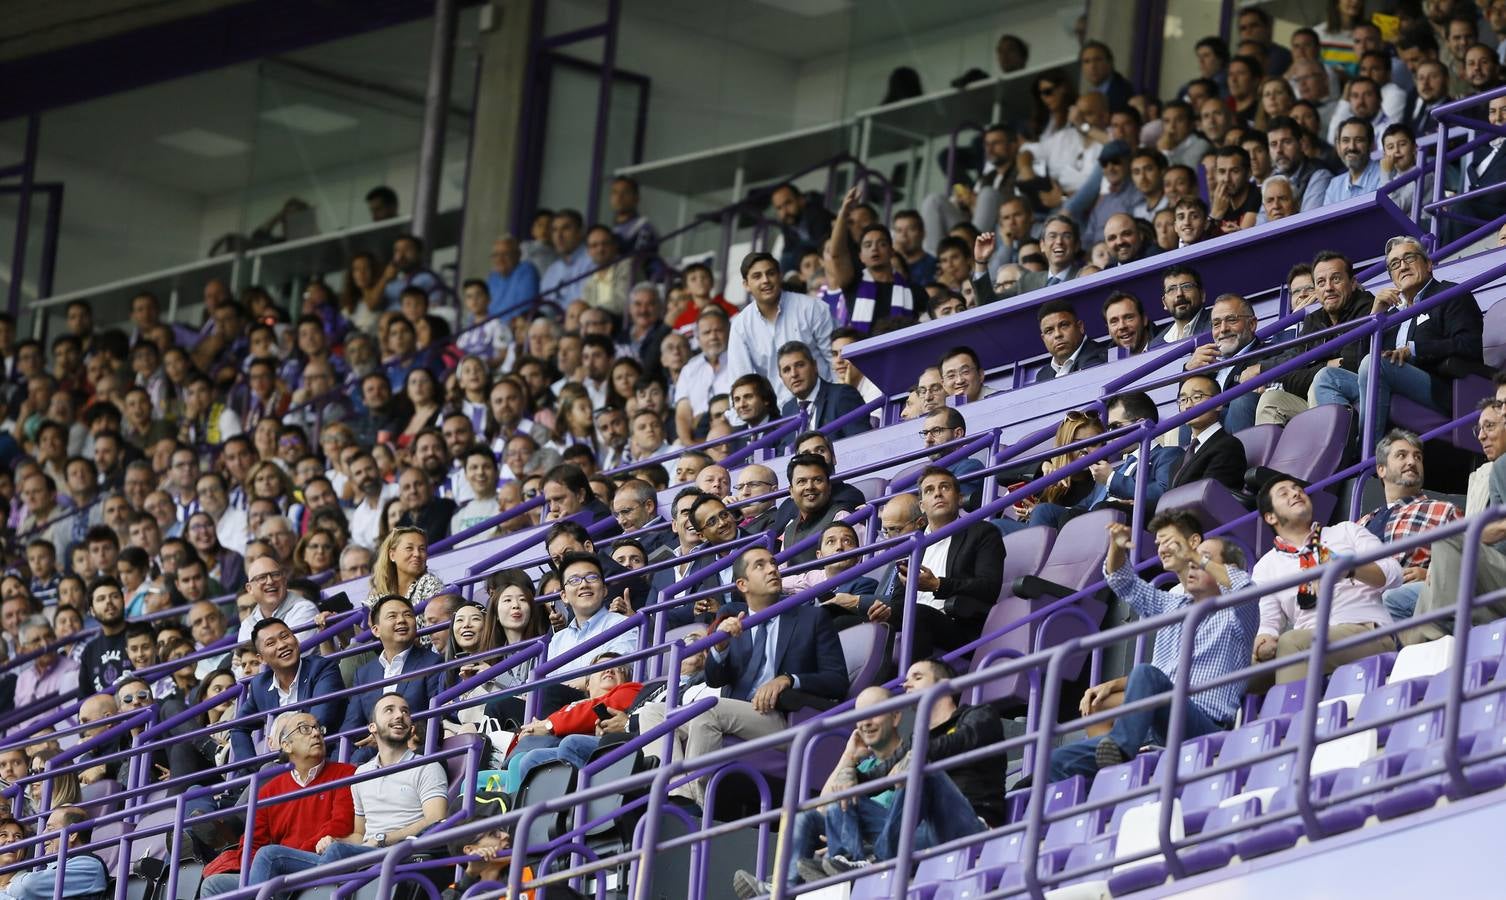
[(1132, 730), (945, 815), (1240, 413), (848, 831), (1336, 385), (1401, 602), (274, 860), (520, 751), (574, 749), (1051, 514)]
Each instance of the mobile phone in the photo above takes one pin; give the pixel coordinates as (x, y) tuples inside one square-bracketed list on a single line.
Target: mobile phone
[(337, 603), (602, 713)]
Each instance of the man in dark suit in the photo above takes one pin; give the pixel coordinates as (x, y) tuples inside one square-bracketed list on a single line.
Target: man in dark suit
[(1422, 355), (1233, 323), (687, 540), (809, 478), (789, 661), (1066, 339), (1116, 481), (1061, 243), (820, 401), (1487, 166), (285, 678), (1213, 452), (959, 578), (394, 624), (1182, 294), (635, 506), (1340, 299)]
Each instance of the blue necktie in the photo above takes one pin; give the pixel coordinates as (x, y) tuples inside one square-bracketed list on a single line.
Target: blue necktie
[(757, 660)]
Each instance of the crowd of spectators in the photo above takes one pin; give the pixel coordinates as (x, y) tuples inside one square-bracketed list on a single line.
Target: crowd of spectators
[(199, 490)]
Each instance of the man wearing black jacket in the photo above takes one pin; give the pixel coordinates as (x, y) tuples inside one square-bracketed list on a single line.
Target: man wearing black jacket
[(1213, 451), (815, 508), (1066, 339), (959, 578), (1422, 355), (1340, 299)]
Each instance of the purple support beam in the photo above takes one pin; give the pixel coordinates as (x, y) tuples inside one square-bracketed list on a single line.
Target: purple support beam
[(603, 109)]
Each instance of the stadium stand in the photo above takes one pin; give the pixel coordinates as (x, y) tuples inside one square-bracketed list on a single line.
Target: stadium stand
[(577, 577)]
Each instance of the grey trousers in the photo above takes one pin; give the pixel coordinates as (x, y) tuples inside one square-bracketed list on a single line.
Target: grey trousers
[(1442, 588)]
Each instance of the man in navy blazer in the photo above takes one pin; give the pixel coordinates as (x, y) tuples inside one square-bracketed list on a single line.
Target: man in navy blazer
[(792, 660), (286, 677), (820, 401), (394, 624), (1116, 481), (1066, 339)]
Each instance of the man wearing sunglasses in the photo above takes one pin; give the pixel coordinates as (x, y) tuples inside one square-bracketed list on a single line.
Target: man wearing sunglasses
[(1288, 617)]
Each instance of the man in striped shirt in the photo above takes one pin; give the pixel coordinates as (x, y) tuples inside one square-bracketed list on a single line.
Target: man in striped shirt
[(1205, 568)]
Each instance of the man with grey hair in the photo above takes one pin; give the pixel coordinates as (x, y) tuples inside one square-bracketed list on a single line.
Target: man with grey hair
[(1420, 356), (1276, 198), (646, 328), (279, 533), (1407, 511), (50, 673), (355, 562), (513, 282)]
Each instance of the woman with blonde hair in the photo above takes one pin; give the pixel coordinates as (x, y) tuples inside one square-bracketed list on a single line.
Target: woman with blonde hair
[(402, 567), (269, 480), (1075, 426)]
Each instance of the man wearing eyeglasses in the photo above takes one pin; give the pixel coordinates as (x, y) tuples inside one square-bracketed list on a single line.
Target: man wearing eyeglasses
[(1487, 488), (309, 825), (1233, 323), (1212, 451), (755, 481), (267, 583), (285, 678), (1182, 295), (1288, 617), (49, 674), (1420, 356), (585, 592), (635, 506), (940, 427)]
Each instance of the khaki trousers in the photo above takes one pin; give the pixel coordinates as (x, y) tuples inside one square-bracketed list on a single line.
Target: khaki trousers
[(704, 733)]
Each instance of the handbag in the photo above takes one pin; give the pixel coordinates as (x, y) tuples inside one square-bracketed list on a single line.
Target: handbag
[(499, 738)]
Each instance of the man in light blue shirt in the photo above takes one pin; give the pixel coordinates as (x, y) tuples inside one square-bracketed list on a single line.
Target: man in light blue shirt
[(513, 283), (773, 319), (584, 590), (565, 277), (83, 876), (1356, 142)]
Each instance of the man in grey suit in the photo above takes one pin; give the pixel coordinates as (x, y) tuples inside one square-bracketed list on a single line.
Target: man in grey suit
[(1061, 242)]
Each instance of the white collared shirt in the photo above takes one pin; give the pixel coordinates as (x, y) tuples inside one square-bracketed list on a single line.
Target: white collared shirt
[(291, 694), (934, 559), (1066, 367), (393, 668), (309, 779)]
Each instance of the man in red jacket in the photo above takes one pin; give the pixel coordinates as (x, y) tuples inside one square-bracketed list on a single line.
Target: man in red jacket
[(305, 826)]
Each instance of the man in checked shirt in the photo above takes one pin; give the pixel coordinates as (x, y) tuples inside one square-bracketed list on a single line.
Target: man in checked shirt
[(1204, 568), (1407, 511)]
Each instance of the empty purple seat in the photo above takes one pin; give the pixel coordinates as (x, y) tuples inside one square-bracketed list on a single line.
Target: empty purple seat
[(1259, 442), (1312, 443), (1388, 700), (1000, 851), (967, 887), (1487, 774), (1025, 552), (1212, 504), (1283, 699), (1464, 393), (1012, 877), (1482, 713), (863, 649), (98, 797), (1279, 836), (1195, 754), (1216, 854), (1421, 794), (1062, 795), (1096, 856), (1487, 641), (871, 487), (1075, 561), (1359, 677), (1275, 772), (876, 886), (454, 766), (943, 867)]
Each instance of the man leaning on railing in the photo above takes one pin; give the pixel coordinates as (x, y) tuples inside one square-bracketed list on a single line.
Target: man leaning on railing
[(1205, 568)]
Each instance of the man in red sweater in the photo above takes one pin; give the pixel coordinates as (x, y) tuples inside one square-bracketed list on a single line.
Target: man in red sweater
[(307, 825), (609, 689)]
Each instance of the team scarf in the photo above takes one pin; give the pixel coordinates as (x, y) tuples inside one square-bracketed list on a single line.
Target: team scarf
[(860, 314)]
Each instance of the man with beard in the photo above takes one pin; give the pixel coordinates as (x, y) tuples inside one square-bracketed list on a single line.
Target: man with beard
[(1182, 294), (805, 225), (1309, 180), (104, 659), (1339, 299), (1125, 240), (1233, 323), (1128, 325), (1406, 511), (371, 495), (407, 270), (810, 492), (1362, 175), (432, 454)]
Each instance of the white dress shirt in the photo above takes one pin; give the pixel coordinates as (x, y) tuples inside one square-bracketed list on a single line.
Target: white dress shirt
[(934, 559), (1354, 602), (753, 342)]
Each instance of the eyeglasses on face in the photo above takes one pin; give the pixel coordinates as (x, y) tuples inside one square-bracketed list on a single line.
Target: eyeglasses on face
[(266, 578), (304, 730), (1410, 258), (753, 483), (1230, 321), (723, 516), (578, 580), (136, 698), (1193, 398), (1185, 287)]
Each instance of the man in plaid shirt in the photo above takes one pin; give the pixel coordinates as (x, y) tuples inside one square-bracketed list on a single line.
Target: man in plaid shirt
[(1205, 568), (1398, 464)]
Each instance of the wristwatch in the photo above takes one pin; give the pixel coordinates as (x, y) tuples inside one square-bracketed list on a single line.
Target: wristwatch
[(380, 838)]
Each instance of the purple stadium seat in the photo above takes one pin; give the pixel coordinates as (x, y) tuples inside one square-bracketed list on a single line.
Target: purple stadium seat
[(1213, 504), (1280, 835), (153, 846), (877, 886), (1283, 699), (1195, 753), (1418, 795), (1464, 394), (1488, 640), (110, 853), (1359, 677), (1260, 442), (863, 648), (1025, 552), (1388, 700), (1216, 854), (943, 867), (1002, 850), (454, 766), (1096, 853), (1075, 561), (1487, 774), (1312, 443), (1201, 796), (872, 486), (967, 887), (1123, 778), (1013, 877), (1062, 795), (98, 796), (1494, 338)]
